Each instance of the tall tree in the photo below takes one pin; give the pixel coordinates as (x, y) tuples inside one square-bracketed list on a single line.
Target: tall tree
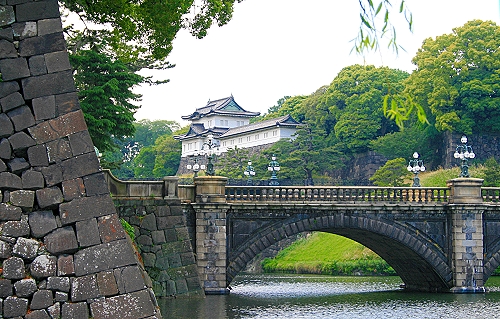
[(393, 173)]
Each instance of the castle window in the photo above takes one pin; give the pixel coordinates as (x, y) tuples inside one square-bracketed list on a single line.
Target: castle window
[(266, 135)]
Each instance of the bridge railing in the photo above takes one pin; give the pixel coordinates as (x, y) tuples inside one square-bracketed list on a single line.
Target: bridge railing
[(336, 194), (490, 194)]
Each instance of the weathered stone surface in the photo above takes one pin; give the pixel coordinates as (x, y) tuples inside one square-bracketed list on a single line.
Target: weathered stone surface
[(67, 103), (32, 180), (81, 143), (85, 208), (7, 49), (58, 283), (42, 44), (48, 26), (5, 288), (73, 188), (61, 296), (57, 61), (49, 197), (52, 174), (65, 265), (24, 30), (5, 149), (25, 288), (77, 310), (13, 69), (9, 212), (10, 181), (37, 156), (158, 237), (37, 65), (13, 268), (41, 299), (18, 165), (107, 283), (7, 15), (103, 257), (5, 250), (7, 88), (110, 228), (95, 184), (6, 126), (55, 310), (15, 307), (26, 248), (42, 85), (83, 288), (129, 279), (130, 306), (37, 11), (21, 117), (87, 233), (149, 222), (21, 142), (41, 223), (38, 314), (43, 266), (12, 101), (58, 150), (80, 166), (58, 127), (16, 228), (61, 240), (22, 198), (44, 108)]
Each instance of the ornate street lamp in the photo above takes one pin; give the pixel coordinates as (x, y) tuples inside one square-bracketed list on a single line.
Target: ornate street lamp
[(273, 167), (249, 172), (416, 166), (196, 166), (464, 152), (210, 149)]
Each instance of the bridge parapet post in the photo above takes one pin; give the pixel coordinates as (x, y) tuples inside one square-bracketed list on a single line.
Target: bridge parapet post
[(210, 189), (467, 234)]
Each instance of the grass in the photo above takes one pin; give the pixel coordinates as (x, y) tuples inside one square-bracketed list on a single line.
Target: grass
[(439, 177)]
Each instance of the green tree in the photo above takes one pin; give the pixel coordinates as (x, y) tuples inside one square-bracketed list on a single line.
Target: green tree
[(167, 156), (393, 173), (458, 78), (233, 163), (491, 173)]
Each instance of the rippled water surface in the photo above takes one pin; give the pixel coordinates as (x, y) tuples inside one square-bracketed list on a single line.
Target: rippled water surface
[(309, 296)]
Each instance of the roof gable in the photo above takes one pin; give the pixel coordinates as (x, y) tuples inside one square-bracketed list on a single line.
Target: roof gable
[(225, 106)]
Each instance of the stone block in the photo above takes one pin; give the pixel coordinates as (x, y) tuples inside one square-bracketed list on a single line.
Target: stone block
[(12, 101), (58, 283), (58, 150), (25, 288), (6, 127), (42, 299), (31, 11), (13, 268), (80, 166), (32, 180), (104, 257), (37, 156), (41, 223), (13, 69), (5, 288), (43, 44), (149, 222), (5, 149), (58, 127), (52, 174), (73, 188), (87, 233), (81, 143), (24, 30), (21, 117), (129, 306), (110, 228), (148, 259), (7, 88), (107, 283), (7, 49), (83, 288), (77, 310), (65, 265), (95, 184), (22, 198), (9, 212), (10, 181), (7, 15), (42, 85), (57, 61), (15, 307), (43, 266), (16, 228), (130, 280), (49, 197), (18, 165), (26, 248), (38, 314), (67, 103), (5, 250), (86, 208), (21, 142), (44, 108), (60, 296), (55, 310), (61, 240), (144, 240), (37, 65), (48, 26), (158, 237)]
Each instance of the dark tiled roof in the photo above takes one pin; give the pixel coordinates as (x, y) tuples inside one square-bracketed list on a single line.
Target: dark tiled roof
[(198, 129), (286, 120), (225, 106)]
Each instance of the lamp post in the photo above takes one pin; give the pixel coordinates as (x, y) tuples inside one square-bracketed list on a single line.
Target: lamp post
[(249, 172), (273, 167), (211, 150), (416, 166), (464, 152), (196, 166)]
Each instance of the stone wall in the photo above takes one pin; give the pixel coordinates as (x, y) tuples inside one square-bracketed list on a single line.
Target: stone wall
[(63, 251)]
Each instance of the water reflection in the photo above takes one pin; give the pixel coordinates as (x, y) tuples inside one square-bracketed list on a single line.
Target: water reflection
[(302, 296)]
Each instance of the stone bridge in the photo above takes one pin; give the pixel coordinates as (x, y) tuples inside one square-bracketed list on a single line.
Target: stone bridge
[(436, 239)]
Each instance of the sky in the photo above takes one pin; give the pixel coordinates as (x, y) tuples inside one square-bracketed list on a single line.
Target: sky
[(274, 48)]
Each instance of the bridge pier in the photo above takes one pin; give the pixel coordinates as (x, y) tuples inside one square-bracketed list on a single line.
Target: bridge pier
[(466, 209)]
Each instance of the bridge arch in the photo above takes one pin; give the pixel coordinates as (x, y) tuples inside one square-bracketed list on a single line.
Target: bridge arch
[(416, 258)]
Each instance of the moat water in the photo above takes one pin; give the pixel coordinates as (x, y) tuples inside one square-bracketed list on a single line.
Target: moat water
[(313, 296)]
